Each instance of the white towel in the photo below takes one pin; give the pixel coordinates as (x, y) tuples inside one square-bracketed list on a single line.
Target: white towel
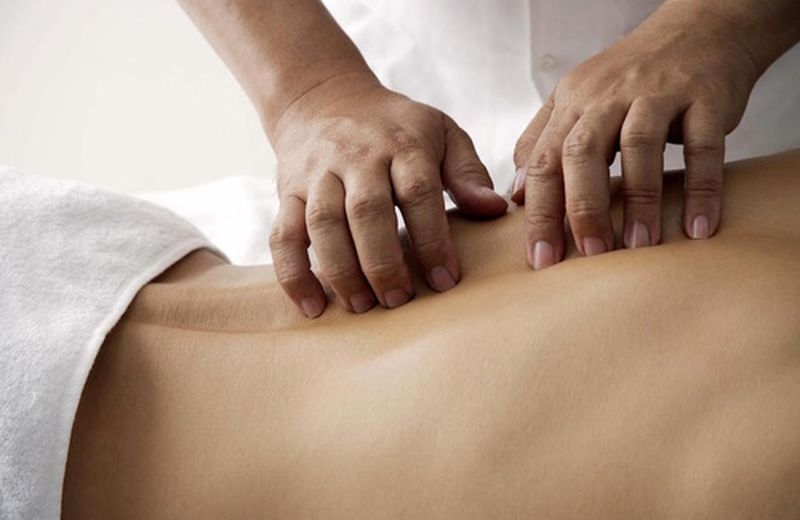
[(235, 213), (71, 260)]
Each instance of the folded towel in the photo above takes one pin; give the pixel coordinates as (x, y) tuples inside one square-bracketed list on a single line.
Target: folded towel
[(235, 213), (71, 260)]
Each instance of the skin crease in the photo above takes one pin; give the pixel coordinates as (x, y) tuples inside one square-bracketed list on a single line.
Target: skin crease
[(657, 383), (349, 150), (684, 75)]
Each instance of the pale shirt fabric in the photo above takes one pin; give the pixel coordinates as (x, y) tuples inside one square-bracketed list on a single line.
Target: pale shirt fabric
[(490, 63), (487, 63)]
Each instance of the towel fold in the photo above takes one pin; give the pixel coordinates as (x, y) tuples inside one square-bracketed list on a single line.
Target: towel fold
[(71, 260)]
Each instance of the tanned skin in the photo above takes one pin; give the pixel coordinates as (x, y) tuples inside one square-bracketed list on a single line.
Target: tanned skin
[(661, 382)]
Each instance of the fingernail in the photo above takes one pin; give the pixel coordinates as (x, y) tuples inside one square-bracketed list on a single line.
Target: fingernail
[(593, 246), (542, 255), (700, 227), (441, 279), (395, 297), (640, 235), (312, 307), (361, 302), (518, 180)]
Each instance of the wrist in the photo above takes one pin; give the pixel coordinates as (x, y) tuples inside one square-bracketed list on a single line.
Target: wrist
[(316, 93), (297, 92), (761, 32)]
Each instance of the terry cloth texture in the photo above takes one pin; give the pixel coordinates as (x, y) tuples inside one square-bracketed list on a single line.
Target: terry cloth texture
[(72, 258)]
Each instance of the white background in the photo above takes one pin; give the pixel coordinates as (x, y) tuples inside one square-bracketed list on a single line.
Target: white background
[(124, 94)]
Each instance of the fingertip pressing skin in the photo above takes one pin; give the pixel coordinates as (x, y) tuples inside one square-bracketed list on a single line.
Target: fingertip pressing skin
[(312, 307), (526, 145), (699, 228), (541, 255), (370, 213), (642, 140), (704, 154), (289, 243), (362, 302), (586, 179), (318, 100), (639, 236), (465, 178), (415, 176), (544, 197), (328, 231), (703, 103)]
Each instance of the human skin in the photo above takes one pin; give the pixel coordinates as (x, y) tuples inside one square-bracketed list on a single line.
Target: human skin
[(683, 76), (348, 151), (660, 382)]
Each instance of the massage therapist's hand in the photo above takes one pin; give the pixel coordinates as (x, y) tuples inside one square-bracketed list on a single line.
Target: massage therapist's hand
[(684, 75), (348, 152)]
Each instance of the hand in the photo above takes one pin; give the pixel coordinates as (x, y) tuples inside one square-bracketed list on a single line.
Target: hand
[(679, 77), (348, 152)]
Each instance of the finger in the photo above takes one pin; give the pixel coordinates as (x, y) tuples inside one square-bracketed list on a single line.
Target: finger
[(289, 243), (586, 178), (544, 195), (328, 231), (642, 141), (415, 176), (704, 154), (465, 177), (526, 144), (373, 226)]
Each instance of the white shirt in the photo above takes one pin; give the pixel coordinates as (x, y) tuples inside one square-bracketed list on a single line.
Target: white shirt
[(490, 63)]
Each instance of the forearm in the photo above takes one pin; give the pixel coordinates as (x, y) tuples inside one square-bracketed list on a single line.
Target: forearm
[(765, 29), (277, 49)]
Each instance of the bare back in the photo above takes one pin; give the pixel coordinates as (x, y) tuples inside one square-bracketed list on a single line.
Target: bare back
[(656, 383)]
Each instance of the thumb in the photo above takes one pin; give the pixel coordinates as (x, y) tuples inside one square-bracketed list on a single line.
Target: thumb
[(465, 177)]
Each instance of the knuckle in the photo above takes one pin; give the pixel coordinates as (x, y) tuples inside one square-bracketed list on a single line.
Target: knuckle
[(700, 148), (545, 165), (541, 175), (634, 138), (568, 83), (417, 188), (382, 270), (403, 142), (473, 171), (637, 73), (434, 246), (290, 279), (586, 210), (355, 151), (323, 216), (367, 205), (704, 186), (542, 220), (340, 274), (282, 236), (580, 145), (642, 195)]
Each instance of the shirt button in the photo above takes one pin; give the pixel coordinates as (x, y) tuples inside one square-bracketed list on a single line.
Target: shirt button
[(547, 62)]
